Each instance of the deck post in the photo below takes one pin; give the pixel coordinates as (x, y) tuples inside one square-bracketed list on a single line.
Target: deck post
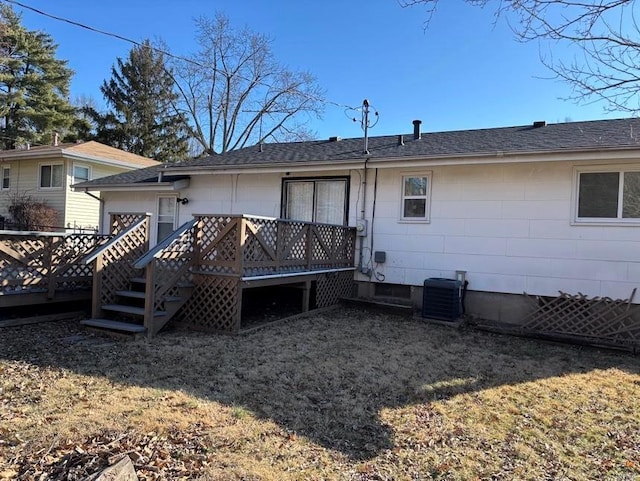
[(96, 295), (149, 297), (306, 296), (242, 234), (309, 243), (48, 262), (197, 235)]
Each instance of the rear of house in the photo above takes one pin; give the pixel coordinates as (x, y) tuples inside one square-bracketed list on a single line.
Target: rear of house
[(536, 209)]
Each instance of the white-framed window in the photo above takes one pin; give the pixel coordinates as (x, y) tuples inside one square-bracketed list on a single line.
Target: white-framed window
[(51, 176), (607, 195), (415, 197), (320, 199), (81, 173), (167, 216), (5, 182)]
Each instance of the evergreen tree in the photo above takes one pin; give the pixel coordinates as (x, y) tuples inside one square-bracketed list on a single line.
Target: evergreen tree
[(143, 118), (34, 85)]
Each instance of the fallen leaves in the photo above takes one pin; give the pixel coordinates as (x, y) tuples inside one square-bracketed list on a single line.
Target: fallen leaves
[(176, 454)]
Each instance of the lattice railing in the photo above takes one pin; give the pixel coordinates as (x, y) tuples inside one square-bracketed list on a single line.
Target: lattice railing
[(45, 262), (168, 270), (254, 246), (580, 317), (113, 263)]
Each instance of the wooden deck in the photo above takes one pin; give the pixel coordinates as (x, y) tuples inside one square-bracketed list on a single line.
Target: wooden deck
[(198, 274), (37, 268)]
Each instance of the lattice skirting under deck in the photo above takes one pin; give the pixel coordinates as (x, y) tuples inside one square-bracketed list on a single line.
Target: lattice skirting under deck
[(332, 286), (214, 304)]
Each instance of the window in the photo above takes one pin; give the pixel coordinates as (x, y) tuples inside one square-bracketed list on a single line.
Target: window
[(321, 200), (608, 196), (80, 173), (166, 216), (415, 197), (6, 177), (51, 176)]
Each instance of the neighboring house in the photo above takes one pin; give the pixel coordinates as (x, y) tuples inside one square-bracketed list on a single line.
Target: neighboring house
[(46, 173), (536, 209)]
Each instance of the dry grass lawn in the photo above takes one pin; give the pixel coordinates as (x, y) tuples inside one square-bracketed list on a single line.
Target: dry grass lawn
[(344, 394)]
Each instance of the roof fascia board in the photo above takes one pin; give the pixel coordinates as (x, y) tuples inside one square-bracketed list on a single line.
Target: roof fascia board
[(141, 187), (508, 158), (631, 153), (268, 168)]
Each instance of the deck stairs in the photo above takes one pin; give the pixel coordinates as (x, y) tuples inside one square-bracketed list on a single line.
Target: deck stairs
[(125, 316)]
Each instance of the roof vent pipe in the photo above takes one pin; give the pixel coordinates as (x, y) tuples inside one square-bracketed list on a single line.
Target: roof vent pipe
[(416, 130), (400, 140)]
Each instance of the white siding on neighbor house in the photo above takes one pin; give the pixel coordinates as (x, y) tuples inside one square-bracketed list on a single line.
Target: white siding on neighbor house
[(510, 227)]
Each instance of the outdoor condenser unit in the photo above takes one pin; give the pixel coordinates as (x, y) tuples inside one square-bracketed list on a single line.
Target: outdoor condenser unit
[(442, 299)]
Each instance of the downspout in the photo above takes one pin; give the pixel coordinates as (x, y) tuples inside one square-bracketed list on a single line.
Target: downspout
[(373, 217), (101, 213), (363, 214)]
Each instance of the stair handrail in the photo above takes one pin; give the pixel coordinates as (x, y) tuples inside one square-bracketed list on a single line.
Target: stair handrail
[(151, 254), (114, 240)]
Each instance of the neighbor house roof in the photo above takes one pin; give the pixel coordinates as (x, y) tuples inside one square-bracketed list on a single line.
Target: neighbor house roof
[(89, 151), (537, 138)]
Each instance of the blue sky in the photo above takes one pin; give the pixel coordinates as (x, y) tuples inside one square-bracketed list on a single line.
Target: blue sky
[(464, 71)]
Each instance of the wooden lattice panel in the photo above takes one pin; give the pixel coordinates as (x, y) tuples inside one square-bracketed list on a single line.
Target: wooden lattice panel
[(218, 243), (333, 286), (71, 272), (214, 304), (579, 316), (172, 268), (118, 262), (121, 221), (34, 261)]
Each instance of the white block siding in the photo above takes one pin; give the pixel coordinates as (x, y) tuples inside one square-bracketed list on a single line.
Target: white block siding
[(508, 225), (258, 194)]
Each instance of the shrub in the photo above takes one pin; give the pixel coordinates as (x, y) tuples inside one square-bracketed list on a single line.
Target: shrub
[(30, 214)]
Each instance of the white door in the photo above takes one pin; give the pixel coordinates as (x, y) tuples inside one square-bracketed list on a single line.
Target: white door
[(167, 215)]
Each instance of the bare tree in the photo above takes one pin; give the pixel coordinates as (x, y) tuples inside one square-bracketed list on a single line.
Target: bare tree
[(235, 93), (606, 32)]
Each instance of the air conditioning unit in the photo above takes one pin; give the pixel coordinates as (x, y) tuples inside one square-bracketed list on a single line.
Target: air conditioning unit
[(442, 299)]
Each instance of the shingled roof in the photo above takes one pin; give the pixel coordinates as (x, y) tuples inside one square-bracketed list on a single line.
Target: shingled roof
[(534, 138), (90, 150)]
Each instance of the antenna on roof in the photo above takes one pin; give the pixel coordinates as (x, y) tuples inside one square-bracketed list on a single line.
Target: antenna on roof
[(364, 123)]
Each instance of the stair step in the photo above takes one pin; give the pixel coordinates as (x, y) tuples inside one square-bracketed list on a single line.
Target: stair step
[(135, 294), (143, 280), (140, 295), (130, 310), (114, 325)]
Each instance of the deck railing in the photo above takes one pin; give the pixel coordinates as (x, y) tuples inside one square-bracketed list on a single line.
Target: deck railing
[(39, 262), (113, 263), (167, 270), (250, 246)]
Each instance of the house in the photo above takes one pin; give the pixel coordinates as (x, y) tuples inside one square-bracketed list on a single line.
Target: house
[(46, 173), (538, 208)]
